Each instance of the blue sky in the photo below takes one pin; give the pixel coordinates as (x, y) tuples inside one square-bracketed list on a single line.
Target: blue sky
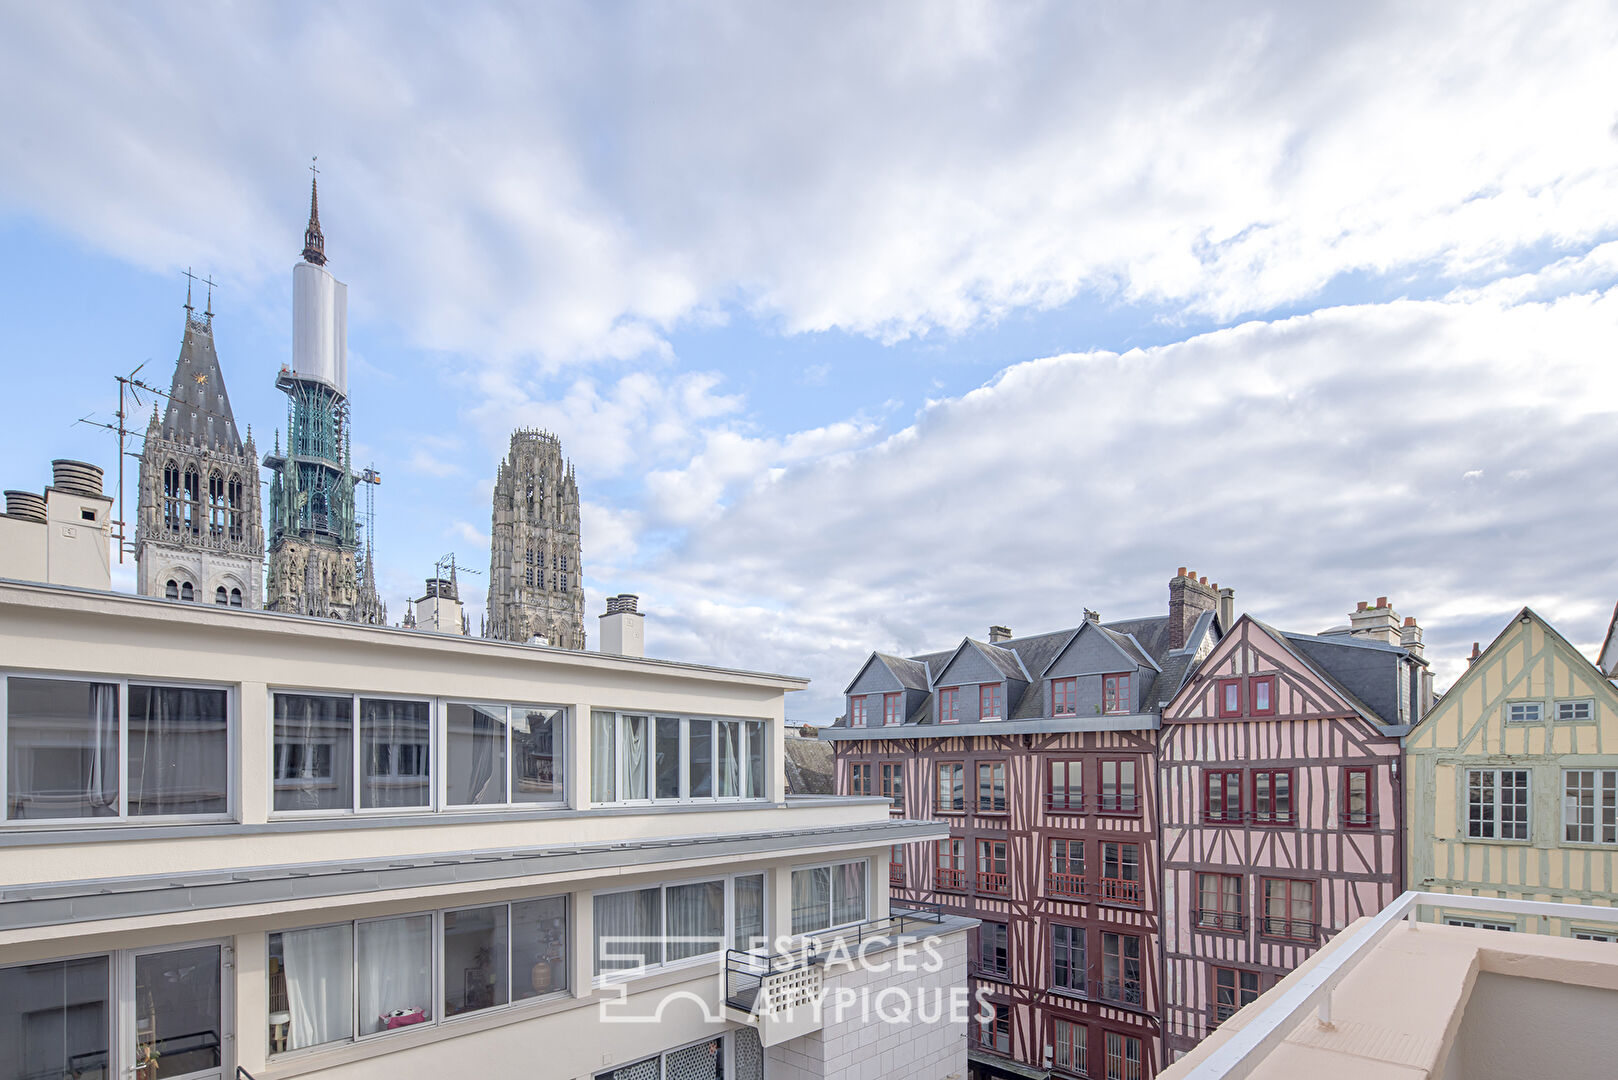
[(868, 326)]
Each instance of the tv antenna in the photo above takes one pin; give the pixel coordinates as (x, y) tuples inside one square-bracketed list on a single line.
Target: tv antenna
[(129, 389)]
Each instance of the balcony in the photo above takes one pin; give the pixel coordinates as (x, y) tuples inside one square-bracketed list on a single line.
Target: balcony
[(994, 884), (1122, 892), (1436, 1000), (1227, 921), (896, 874), (1290, 929), (1117, 804), (949, 880), (1121, 992), (1057, 802), (1067, 886)]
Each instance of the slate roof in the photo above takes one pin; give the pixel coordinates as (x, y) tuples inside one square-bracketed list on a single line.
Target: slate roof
[(197, 393), (912, 674), (809, 766), (1297, 646)]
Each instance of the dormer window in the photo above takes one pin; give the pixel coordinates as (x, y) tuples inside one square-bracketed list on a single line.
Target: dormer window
[(1064, 697), (890, 710), (949, 705), (989, 702), (1115, 697), (856, 712)]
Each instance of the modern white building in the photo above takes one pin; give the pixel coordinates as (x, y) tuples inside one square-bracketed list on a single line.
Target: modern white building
[(235, 838)]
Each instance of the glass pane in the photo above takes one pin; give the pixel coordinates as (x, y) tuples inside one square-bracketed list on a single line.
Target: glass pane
[(311, 987), (668, 757), (756, 788), (603, 761), (811, 899), (749, 911), (637, 730), (537, 764), (476, 948), (730, 759), (179, 747), (849, 894), (538, 947), (54, 1019), (475, 755), (395, 753), (695, 918), (177, 1017), (701, 785), (61, 749), (396, 973), (628, 930), (314, 752)]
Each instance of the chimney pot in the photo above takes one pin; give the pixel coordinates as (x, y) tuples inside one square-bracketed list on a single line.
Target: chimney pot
[(1180, 572), (1382, 601), (1203, 580), (1410, 620), (1362, 606)]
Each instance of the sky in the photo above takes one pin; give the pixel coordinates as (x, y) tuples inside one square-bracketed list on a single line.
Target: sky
[(870, 325)]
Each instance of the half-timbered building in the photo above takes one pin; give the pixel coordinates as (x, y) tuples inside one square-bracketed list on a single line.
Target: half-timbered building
[(1278, 765), (1513, 781), (1040, 753)]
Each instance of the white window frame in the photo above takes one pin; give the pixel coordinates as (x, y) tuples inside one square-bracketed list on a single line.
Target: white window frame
[(749, 727), (1479, 923), (1603, 823), (831, 914), (1496, 788), (440, 756), (123, 817), (619, 975), (1589, 716), (1537, 708)]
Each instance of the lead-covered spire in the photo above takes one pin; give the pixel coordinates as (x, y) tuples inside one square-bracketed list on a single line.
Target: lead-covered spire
[(314, 244)]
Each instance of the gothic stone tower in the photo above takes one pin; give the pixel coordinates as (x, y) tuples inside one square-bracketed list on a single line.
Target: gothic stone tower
[(536, 578), (198, 535), (315, 564)]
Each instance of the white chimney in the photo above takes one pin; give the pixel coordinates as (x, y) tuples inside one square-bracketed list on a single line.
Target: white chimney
[(997, 634), (63, 537), (623, 629)]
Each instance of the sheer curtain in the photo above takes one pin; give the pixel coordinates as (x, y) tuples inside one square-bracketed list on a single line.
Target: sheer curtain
[(696, 918), (396, 969), (477, 755), (178, 750), (700, 767), (635, 757), (395, 737), (603, 757), (628, 930), (314, 752), (849, 896), (749, 912), (319, 967), (756, 788), (811, 899), (730, 776), (61, 749)]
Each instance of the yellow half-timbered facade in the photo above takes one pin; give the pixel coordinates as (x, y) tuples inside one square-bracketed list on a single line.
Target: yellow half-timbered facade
[(1512, 782)]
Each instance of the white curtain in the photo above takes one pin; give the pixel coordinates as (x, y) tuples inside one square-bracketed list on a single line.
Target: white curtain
[(396, 968), (628, 930), (603, 759), (319, 966), (756, 788), (635, 757), (730, 777), (811, 899), (749, 911), (849, 894), (477, 755), (696, 918), (178, 746)]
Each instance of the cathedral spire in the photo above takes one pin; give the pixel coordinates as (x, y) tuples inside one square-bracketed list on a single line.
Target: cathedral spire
[(314, 244)]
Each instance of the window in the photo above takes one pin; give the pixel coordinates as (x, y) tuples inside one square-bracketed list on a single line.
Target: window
[(1593, 935), (1219, 902), (216, 505), (989, 702), (640, 758), (171, 591), (890, 710), (1230, 697), (859, 778), (1068, 970), (896, 865), (1524, 712), (949, 705), (856, 712), (1497, 804), (704, 1060), (56, 1018), (747, 906), (221, 597), (187, 593), (1070, 1047), (1065, 790), (1590, 806), (1064, 697), (1123, 1057), (663, 924), (394, 958), (235, 598), (63, 757), (1357, 796), (1120, 968), (171, 498), (1272, 796), (1232, 989), (827, 896), (950, 875), (1120, 874), (951, 787), (1575, 712), (994, 950), (994, 1028), (991, 787), (893, 784), (235, 498), (1118, 792), (192, 508), (1115, 694), (1222, 796), (1067, 868), (1261, 695), (498, 755), (992, 872), (1481, 924), (1289, 909)]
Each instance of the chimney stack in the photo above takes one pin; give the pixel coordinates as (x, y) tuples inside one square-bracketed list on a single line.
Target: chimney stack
[(1410, 637), (623, 628), (61, 537), (1475, 654), (1227, 608), (1189, 597), (997, 634), (1380, 623)]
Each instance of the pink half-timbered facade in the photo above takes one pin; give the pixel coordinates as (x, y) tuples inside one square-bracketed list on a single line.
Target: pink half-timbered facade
[(1281, 804), (1040, 752)]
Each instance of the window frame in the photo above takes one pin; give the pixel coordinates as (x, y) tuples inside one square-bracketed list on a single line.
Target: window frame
[(1273, 819), (1313, 922), (748, 727), (1603, 807), (1004, 797), (1222, 697), (991, 1031), (1076, 1051), (1496, 790), (857, 711), (1065, 696), (233, 777), (1070, 800), (831, 867), (1122, 1041), (1117, 690), (1118, 797), (1227, 918), (1345, 815), (1123, 983), (1078, 883), (1225, 815), (1253, 683), (987, 856), (1078, 960), (1537, 706), (1118, 894), (991, 693), (938, 787), (614, 976), (890, 784), (949, 857), (1589, 706), (892, 711), (1241, 996), (438, 756), (859, 779), (998, 967), (950, 695)]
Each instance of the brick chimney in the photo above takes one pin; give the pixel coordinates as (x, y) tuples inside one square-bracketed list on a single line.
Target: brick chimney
[(1189, 597), (1379, 622), (1410, 637), (1475, 654), (997, 634)]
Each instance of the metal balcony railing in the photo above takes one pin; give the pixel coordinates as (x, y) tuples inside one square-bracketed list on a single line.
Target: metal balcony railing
[(1064, 802), (990, 882), (1067, 885), (1221, 920), (1122, 891), (1122, 991), (1118, 804), (1291, 929)]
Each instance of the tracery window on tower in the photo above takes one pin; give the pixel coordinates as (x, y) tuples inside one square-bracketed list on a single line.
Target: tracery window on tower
[(171, 591), (187, 592), (221, 597), (193, 501), (171, 498), (234, 496), (216, 505)]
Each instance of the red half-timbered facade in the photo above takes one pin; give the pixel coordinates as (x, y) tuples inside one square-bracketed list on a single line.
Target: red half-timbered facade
[(1278, 766), (1049, 784)]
